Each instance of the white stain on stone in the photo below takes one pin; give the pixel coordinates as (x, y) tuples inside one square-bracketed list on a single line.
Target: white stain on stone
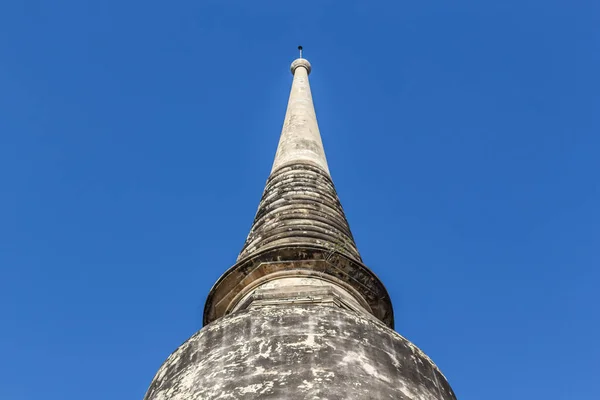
[(257, 388), (305, 386)]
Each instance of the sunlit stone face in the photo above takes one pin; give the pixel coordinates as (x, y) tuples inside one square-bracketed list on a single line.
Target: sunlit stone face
[(298, 352), (300, 139)]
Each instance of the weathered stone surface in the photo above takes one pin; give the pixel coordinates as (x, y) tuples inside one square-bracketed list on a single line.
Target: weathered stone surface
[(300, 206), (297, 260), (298, 352)]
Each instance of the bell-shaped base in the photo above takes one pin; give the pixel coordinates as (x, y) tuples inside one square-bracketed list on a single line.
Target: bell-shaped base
[(313, 350)]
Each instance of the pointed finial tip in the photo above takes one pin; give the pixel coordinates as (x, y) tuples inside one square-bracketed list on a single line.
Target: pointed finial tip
[(300, 62)]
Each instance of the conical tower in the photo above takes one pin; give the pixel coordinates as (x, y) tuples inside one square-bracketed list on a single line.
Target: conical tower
[(299, 316)]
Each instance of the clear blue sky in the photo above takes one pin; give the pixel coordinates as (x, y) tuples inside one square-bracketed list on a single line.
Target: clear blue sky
[(136, 137)]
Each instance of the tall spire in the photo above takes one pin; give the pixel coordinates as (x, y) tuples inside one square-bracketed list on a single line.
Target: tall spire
[(300, 204), (300, 229), (299, 315), (300, 139)]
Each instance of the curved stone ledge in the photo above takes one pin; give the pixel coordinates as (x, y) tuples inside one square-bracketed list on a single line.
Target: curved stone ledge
[(315, 260)]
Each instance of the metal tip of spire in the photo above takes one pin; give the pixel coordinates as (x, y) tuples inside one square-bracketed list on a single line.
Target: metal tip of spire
[(300, 62)]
